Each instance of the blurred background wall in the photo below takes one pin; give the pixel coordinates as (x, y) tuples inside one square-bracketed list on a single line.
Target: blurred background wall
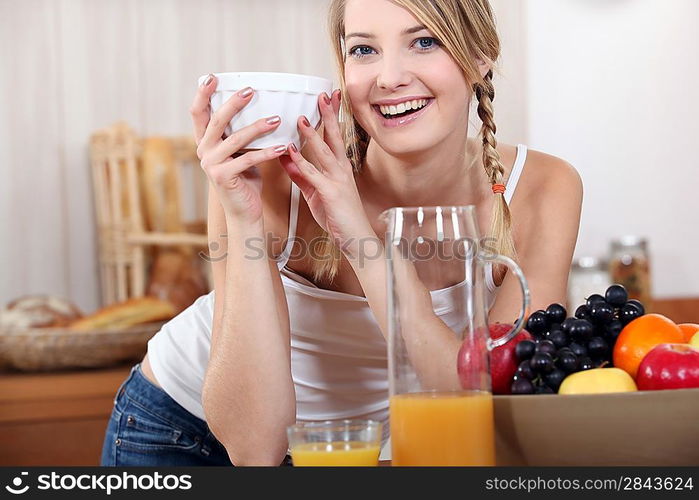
[(69, 67), (608, 85), (612, 87)]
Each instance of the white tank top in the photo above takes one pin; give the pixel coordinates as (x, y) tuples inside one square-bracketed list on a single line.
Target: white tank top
[(338, 354)]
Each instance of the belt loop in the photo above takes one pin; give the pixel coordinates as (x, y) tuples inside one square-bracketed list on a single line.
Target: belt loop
[(120, 390)]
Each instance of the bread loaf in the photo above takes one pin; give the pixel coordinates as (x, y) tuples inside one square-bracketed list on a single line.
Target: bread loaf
[(131, 312), (176, 278), (39, 311)]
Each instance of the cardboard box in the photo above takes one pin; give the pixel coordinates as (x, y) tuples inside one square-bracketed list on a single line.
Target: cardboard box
[(651, 428)]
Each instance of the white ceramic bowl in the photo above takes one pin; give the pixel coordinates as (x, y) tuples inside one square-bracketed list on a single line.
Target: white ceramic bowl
[(283, 94)]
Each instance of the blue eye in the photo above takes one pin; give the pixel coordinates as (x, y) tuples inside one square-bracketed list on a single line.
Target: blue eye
[(423, 44), (426, 43), (361, 51)]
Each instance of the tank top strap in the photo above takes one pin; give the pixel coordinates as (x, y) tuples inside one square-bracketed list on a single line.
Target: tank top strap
[(516, 172), (293, 219)]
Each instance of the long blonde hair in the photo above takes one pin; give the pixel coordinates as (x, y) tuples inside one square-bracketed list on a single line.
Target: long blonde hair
[(466, 29)]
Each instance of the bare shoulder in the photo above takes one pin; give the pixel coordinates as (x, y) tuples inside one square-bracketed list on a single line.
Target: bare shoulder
[(552, 175)]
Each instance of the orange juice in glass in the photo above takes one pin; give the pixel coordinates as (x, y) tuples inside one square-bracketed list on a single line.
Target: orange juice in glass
[(442, 429), (337, 453), (335, 443)]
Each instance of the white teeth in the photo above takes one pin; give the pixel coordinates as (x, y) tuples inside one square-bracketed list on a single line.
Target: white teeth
[(403, 107)]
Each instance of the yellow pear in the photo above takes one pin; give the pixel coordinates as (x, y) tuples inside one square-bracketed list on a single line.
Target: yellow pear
[(598, 381), (694, 341)]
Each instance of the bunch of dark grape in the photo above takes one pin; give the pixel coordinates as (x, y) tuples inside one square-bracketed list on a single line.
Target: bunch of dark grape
[(563, 345)]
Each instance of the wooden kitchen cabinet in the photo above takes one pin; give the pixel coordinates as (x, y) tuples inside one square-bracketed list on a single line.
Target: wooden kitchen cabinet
[(56, 419)]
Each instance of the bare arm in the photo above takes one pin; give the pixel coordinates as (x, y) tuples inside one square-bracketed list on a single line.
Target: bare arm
[(217, 234), (248, 392), (218, 239), (248, 395)]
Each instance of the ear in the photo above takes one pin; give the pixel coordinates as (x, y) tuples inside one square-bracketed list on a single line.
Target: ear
[(483, 67)]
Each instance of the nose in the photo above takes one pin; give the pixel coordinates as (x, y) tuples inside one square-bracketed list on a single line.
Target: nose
[(392, 74)]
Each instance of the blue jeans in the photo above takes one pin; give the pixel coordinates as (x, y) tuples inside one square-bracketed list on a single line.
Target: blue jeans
[(149, 428)]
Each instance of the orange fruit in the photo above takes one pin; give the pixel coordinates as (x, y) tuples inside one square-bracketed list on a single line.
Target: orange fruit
[(640, 336), (688, 330)]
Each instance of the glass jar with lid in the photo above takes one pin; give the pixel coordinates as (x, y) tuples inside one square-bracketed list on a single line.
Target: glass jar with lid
[(588, 275), (629, 265)]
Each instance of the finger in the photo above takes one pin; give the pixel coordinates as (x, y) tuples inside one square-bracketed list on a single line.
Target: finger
[(241, 138), (306, 168), (221, 118), (199, 110), (234, 166), (295, 175), (309, 172), (252, 158), (333, 136), (326, 159), (304, 174), (336, 99)]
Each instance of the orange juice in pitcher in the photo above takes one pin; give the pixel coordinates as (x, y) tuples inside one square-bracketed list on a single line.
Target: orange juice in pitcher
[(451, 428)]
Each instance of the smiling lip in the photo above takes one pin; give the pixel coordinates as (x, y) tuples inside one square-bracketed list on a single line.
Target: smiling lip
[(403, 120), (398, 100)]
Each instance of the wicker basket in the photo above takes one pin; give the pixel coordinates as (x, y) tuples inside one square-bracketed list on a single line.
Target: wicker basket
[(43, 349)]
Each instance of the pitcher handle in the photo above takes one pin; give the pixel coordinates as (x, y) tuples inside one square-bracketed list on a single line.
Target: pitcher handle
[(493, 343)]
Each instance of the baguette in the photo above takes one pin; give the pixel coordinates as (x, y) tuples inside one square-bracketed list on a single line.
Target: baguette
[(122, 315)]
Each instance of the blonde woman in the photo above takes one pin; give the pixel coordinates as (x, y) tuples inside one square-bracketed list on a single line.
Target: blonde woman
[(303, 338)]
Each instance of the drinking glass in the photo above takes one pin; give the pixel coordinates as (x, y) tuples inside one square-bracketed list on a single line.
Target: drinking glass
[(335, 443)]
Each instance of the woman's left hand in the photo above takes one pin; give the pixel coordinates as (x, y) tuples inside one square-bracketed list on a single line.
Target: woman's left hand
[(328, 186)]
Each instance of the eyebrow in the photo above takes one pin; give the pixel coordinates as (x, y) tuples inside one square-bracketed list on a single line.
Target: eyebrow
[(408, 31)]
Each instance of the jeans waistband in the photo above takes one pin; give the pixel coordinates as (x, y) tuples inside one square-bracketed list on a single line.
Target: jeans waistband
[(155, 400)]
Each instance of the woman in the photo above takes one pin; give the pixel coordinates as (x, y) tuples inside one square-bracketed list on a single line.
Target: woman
[(223, 380)]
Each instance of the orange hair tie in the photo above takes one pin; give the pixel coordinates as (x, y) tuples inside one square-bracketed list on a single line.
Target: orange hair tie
[(498, 188)]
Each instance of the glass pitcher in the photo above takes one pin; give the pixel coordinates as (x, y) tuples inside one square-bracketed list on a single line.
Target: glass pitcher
[(441, 408)]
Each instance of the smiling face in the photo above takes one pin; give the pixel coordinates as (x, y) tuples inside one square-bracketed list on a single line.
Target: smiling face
[(406, 91)]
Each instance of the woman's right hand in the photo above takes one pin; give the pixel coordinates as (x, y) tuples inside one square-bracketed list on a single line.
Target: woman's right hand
[(236, 178)]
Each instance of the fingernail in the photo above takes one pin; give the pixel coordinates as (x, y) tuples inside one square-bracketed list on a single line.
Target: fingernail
[(325, 98), (305, 121), (292, 147), (280, 149), (272, 120), (246, 92), (339, 95), (208, 80)]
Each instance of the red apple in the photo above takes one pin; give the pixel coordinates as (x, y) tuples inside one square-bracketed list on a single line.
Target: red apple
[(669, 366), (503, 362)]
